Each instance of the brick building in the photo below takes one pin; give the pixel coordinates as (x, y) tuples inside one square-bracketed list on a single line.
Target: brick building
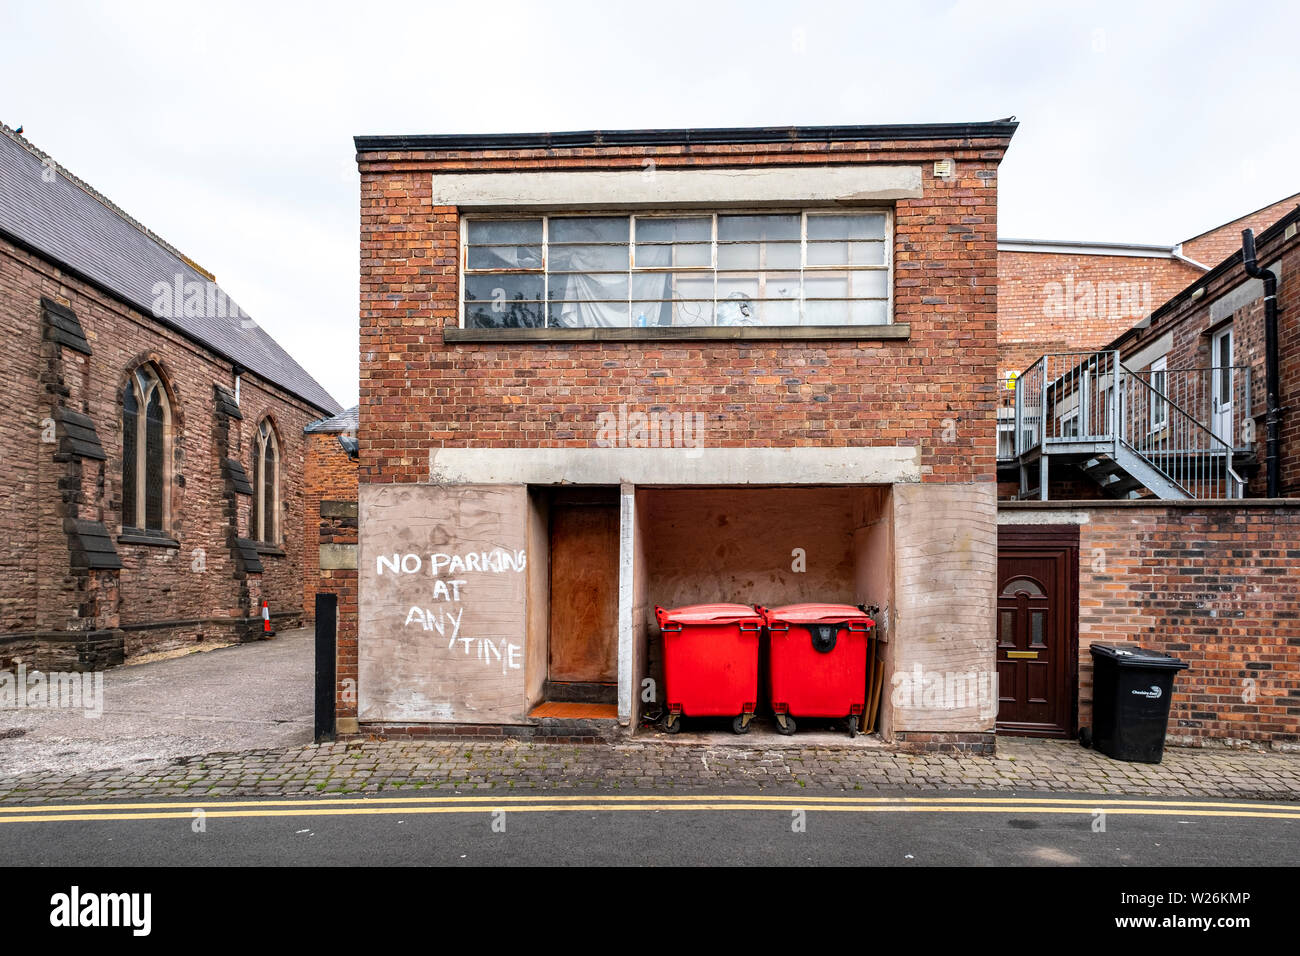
[(1155, 521), (154, 435), (1061, 296), (605, 371)]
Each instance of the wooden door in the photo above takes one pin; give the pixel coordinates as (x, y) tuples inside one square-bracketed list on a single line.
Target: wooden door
[(1037, 635), (584, 593)]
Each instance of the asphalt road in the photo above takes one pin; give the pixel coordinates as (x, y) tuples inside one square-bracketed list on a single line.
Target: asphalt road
[(233, 698), (564, 827)]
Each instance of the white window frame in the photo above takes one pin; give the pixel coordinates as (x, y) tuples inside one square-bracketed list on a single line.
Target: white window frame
[(1159, 394), (887, 266), (1006, 426), (1066, 417)]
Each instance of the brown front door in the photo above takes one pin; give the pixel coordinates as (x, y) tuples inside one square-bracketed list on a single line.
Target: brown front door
[(1037, 630), (583, 654)]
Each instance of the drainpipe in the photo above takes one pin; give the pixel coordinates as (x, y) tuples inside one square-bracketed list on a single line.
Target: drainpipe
[(1273, 415)]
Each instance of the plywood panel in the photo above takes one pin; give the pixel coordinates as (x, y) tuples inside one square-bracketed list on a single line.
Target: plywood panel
[(768, 545), (442, 604), (584, 592)]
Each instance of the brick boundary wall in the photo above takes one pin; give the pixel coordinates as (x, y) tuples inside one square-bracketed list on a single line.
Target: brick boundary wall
[(1213, 584), (328, 476), (330, 486)]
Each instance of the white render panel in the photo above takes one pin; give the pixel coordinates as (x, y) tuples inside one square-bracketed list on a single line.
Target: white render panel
[(676, 187), (878, 465)]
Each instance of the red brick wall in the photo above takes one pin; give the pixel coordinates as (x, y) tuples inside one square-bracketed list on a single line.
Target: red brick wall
[(417, 392), (1191, 321), (1213, 247), (329, 476), (1211, 585), (1048, 302), (157, 584)]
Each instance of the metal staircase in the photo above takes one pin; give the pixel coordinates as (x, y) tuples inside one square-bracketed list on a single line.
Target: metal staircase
[(1178, 433)]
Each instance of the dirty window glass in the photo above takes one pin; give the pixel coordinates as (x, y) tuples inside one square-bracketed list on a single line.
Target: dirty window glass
[(678, 269)]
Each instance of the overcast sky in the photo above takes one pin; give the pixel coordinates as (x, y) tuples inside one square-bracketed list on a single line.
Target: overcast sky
[(226, 127)]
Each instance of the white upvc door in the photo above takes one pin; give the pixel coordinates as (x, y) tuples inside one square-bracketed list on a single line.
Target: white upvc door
[(1221, 384)]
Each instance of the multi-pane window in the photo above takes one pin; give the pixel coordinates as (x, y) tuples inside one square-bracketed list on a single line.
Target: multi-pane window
[(680, 269), (146, 424), (266, 485)]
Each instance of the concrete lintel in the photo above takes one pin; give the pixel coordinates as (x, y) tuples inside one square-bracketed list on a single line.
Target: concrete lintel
[(338, 509), (877, 465), (664, 188), (1041, 516), (338, 557)]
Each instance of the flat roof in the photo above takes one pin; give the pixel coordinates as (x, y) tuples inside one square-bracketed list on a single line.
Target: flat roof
[(727, 135)]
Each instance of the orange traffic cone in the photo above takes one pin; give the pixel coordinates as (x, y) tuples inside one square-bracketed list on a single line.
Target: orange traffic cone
[(267, 629)]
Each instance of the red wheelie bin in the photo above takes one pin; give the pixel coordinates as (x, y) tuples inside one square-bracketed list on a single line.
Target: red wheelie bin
[(710, 663), (818, 662)]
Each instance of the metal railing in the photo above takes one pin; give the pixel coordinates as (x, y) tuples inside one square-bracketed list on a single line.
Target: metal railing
[(1091, 398), (1066, 396), (1188, 452), (1217, 397)]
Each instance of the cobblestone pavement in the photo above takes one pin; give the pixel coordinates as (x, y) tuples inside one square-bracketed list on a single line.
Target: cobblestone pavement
[(411, 767)]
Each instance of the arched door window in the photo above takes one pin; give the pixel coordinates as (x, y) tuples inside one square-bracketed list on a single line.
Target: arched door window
[(146, 436), (266, 486)]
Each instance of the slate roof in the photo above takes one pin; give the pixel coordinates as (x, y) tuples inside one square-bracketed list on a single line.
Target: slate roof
[(64, 220), (344, 421)]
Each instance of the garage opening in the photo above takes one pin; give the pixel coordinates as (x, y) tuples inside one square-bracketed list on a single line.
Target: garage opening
[(760, 545)]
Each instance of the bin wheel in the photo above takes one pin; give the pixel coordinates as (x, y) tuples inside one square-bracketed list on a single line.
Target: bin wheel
[(787, 727), (853, 725), (738, 725), (1085, 736), (672, 723)]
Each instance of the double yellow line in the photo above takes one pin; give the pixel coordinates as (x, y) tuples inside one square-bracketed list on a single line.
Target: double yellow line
[(623, 803)]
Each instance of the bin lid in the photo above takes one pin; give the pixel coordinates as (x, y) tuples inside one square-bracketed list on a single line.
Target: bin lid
[(819, 614), (1130, 655), (711, 614)]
